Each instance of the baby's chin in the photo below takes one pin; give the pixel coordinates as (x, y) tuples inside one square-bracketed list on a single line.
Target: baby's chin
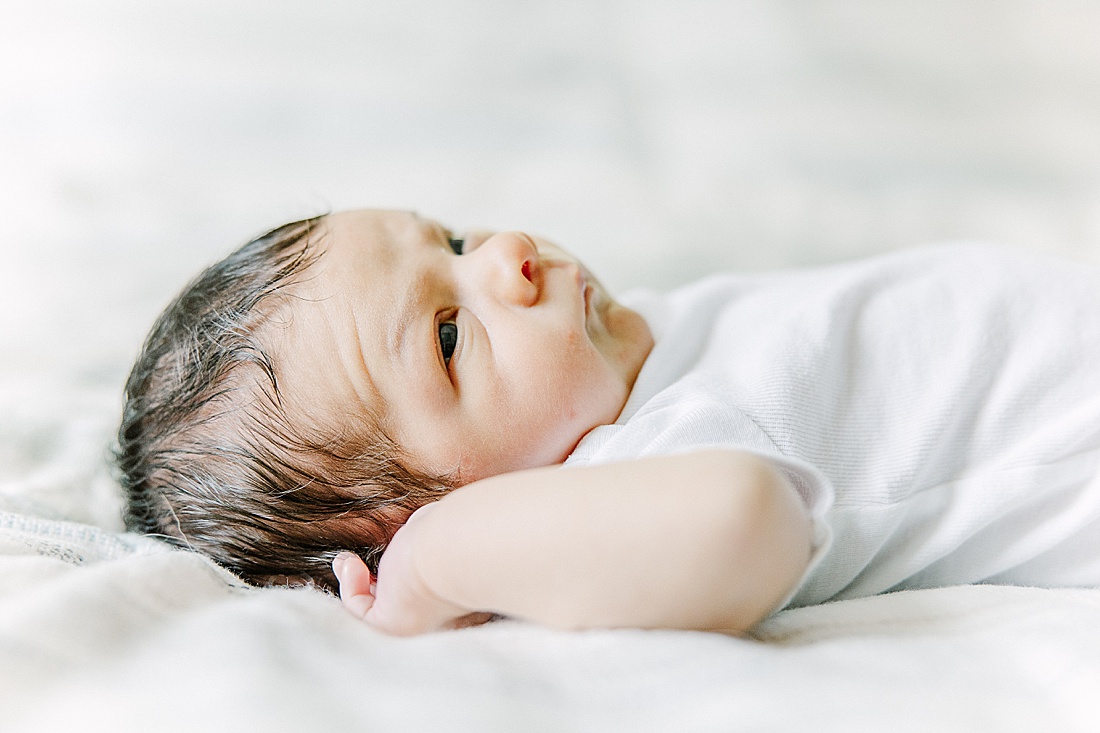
[(631, 342)]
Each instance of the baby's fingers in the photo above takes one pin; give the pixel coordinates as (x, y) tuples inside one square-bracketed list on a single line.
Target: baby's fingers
[(356, 583)]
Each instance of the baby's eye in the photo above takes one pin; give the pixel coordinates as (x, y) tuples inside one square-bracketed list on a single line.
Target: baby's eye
[(457, 245), (448, 339)]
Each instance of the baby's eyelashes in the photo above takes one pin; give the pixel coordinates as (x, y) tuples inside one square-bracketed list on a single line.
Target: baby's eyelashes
[(448, 339)]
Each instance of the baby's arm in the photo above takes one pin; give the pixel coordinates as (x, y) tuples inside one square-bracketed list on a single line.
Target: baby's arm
[(708, 540)]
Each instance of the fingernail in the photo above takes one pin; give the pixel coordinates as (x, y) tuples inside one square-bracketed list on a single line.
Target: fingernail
[(339, 561)]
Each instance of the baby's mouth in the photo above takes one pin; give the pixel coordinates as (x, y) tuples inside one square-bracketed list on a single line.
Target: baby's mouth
[(586, 292)]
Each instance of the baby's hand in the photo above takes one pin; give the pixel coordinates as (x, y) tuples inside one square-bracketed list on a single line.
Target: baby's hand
[(397, 601), (357, 587)]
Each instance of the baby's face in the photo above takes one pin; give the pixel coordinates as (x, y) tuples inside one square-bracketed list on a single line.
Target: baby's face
[(497, 359)]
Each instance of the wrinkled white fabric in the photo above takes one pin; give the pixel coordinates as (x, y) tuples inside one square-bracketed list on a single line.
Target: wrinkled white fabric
[(108, 632), (939, 410)]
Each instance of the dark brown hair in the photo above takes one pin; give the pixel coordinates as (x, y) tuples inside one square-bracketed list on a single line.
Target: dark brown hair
[(210, 460)]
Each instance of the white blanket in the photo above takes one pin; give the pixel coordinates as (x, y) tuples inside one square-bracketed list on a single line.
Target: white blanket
[(108, 632)]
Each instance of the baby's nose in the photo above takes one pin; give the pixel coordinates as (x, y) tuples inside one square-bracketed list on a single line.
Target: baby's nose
[(510, 265)]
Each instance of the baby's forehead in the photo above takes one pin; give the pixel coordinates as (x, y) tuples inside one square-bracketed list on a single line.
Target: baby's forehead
[(320, 386), (315, 347), (377, 228)]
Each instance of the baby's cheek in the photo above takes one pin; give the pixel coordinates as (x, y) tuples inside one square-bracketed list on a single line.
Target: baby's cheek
[(517, 449)]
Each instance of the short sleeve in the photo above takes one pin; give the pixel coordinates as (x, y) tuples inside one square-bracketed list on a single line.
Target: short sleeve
[(693, 415)]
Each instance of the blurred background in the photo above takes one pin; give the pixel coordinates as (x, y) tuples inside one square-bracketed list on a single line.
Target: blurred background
[(143, 139)]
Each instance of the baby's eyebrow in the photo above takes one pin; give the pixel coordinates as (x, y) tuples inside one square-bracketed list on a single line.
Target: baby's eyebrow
[(443, 234), (435, 235), (444, 237), (401, 324), (395, 337)]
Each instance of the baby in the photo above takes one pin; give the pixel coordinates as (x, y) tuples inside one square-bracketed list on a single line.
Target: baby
[(368, 381)]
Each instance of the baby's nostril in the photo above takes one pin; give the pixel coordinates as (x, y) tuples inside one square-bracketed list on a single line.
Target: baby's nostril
[(526, 269)]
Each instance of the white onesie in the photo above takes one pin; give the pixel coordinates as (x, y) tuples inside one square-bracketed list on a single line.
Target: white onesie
[(938, 410)]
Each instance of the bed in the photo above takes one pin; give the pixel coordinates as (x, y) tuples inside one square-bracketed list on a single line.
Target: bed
[(103, 631), (660, 141)]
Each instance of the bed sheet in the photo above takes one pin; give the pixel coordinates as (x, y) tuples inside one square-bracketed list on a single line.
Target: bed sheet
[(106, 631)]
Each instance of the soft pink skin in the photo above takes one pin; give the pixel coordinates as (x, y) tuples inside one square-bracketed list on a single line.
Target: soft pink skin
[(573, 549), (397, 602), (543, 355)]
